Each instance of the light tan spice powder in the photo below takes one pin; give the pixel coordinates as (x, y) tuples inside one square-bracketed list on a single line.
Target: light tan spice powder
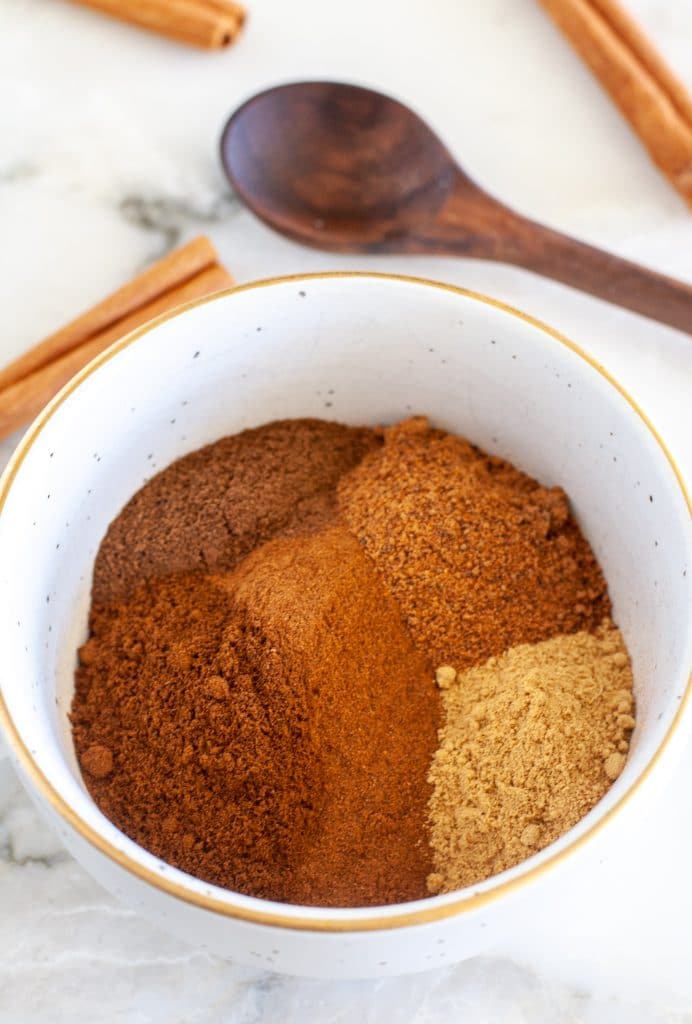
[(531, 740)]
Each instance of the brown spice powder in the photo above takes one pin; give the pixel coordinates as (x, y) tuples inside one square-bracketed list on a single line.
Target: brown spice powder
[(256, 703), (531, 740), (478, 556), (269, 730), (211, 508)]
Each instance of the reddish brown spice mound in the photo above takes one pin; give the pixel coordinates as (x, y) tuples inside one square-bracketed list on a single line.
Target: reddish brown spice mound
[(478, 556), (270, 730)]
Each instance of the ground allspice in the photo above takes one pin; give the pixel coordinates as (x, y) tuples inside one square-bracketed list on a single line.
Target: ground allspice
[(256, 702), (478, 556)]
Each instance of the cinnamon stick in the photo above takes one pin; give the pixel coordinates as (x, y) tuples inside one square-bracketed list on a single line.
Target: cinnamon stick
[(166, 274), (210, 24), (21, 401), (652, 98), (229, 7)]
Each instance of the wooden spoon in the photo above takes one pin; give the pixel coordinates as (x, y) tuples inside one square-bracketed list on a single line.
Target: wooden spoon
[(351, 170)]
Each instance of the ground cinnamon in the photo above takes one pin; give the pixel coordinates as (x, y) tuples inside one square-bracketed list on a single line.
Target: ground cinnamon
[(269, 730)]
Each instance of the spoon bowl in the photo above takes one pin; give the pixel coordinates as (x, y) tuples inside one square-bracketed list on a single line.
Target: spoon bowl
[(349, 169), (336, 166)]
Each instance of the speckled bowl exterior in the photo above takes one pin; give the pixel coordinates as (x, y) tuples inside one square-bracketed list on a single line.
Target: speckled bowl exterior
[(361, 349)]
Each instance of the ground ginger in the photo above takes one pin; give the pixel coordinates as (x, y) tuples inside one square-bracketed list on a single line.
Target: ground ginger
[(530, 741)]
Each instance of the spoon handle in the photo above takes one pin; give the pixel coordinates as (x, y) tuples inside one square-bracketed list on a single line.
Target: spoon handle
[(473, 223), (599, 273)]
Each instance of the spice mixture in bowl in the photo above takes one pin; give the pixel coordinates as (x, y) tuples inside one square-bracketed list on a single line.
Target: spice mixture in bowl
[(273, 620), (341, 617)]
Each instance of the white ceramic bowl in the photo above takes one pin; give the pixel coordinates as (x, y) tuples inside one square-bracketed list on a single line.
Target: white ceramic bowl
[(362, 349)]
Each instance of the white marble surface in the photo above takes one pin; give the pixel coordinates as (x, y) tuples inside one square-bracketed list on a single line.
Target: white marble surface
[(108, 157)]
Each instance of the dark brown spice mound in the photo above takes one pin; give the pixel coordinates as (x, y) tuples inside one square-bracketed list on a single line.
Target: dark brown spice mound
[(212, 507)]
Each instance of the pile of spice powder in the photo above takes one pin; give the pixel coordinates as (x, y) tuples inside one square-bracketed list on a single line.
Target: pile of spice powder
[(256, 703), (211, 508), (270, 729), (530, 741), (478, 556)]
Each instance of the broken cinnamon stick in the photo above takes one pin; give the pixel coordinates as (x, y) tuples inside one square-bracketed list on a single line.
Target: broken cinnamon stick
[(166, 274), (210, 24), (22, 400)]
